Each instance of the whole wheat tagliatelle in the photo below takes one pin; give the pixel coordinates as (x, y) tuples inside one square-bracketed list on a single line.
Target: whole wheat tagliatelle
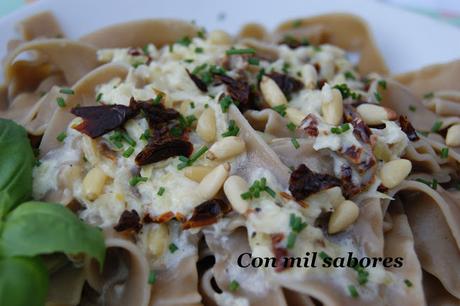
[(190, 149)]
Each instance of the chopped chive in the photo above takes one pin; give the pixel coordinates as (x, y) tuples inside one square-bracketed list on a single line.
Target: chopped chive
[(128, 152), (192, 105), (408, 283), (286, 67), (382, 84), (340, 129), (225, 103), (67, 91), (201, 34), (349, 75), (444, 152), (270, 191), (412, 108), (233, 286), (161, 191), (280, 109), (152, 277), (128, 139), (171, 48), (232, 130), (240, 51), (323, 255), (378, 96), (60, 101), (186, 162), (363, 275), (423, 133), (145, 49), (296, 23), (428, 95), (199, 50), (199, 68), (317, 48), (188, 60), (296, 224), (145, 136), (253, 61), (184, 41), (136, 180), (256, 188), (172, 247), (99, 97), (176, 131), (260, 74), (353, 292), (206, 105), (157, 99), (61, 136), (345, 127), (295, 143), (433, 184), (436, 126), (291, 126), (291, 240)]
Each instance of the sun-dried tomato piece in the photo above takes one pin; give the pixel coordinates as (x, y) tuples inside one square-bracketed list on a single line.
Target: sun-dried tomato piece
[(310, 125), (407, 128), (361, 131), (348, 187), (304, 182), (99, 120), (163, 149), (207, 213), (155, 113), (129, 220), (198, 82), (238, 90), (287, 84), (280, 253)]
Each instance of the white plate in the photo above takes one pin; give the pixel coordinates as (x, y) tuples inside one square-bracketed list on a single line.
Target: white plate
[(407, 40)]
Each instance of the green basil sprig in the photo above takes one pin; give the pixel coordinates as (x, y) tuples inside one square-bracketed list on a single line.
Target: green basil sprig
[(30, 229), (23, 281), (36, 228), (16, 162)]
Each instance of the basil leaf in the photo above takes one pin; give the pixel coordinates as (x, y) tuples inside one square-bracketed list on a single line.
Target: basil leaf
[(23, 281), (36, 228), (16, 162)]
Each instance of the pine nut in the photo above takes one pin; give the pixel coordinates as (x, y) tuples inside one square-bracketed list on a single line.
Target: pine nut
[(219, 37), (197, 173), (374, 114), (333, 109), (90, 149), (93, 183), (226, 148), (394, 172), (206, 126), (158, 238), (309, 76), (69, 175), (234, 186), (453, 136), (343, 216), (381, 151), (211, 183), (271, 92), (294, 115)]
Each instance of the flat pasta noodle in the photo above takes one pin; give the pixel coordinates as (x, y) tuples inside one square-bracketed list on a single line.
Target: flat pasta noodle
[(155, 262)]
